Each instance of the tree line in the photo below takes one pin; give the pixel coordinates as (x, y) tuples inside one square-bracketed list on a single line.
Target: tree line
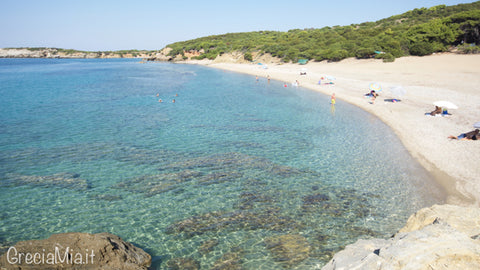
[(421, 31)]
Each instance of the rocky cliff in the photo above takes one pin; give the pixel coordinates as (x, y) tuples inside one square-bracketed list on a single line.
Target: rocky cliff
[(439, 237)]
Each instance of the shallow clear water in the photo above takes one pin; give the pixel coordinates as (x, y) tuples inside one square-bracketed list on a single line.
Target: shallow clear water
[(235, 163)]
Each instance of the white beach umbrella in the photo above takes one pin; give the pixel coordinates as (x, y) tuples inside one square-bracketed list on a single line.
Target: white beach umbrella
[(445, 104)]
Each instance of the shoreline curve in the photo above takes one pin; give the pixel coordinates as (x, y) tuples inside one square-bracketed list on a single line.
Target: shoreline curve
[(447, 76)]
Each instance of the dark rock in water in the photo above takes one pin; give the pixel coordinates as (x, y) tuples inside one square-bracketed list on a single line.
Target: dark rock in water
[(315, 187), (236, 220), (289, 249), (105, 197), (159, 183), (183, 264), (219, 162), (229, 261), (357, 231), (62, 180), (234, 162), (312, 199), (219, 177), (339, 202), (249, 200), (77, 251), (208, 246), (316, 201)]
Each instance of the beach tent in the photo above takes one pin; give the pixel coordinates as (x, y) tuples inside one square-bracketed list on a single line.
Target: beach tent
[(302, 61)]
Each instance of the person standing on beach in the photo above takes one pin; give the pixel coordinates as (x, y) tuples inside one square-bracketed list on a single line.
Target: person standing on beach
[(332, 99)]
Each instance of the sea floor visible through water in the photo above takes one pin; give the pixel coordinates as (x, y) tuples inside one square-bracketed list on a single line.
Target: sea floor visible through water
[(235, 171)]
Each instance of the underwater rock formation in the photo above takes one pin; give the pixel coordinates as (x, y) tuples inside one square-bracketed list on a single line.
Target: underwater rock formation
[(159, 183), (233, 162), (235, 220), (208, 246), (62, 180), (183, 264), (229, 261), (289, 249)]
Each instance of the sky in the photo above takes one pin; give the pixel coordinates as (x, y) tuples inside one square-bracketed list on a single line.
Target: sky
[(109, 25)]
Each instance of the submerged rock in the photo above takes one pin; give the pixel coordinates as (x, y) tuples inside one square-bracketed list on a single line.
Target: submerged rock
[(219, 177), (236, 161), (183, 264), (236, 220), (76, 251), (208, 246), (105, 197), (159, 183), (289, 249), (62, 180), (229, 261), (249, 200)]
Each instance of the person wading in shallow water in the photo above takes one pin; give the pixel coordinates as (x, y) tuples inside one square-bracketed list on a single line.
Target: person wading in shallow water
[(332, 104)]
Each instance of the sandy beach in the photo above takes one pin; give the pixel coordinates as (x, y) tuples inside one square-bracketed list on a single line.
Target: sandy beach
[(450, 77)]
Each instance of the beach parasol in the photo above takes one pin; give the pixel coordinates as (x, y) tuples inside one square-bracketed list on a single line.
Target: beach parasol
[(375, 87), (476, 125), (398, 91), (445, 104)]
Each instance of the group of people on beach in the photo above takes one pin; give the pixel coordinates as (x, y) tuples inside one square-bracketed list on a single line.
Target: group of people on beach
[(472, 135)]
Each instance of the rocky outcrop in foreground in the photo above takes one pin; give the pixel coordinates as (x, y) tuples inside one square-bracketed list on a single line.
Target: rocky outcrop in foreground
[(76, 251), (439, 237)]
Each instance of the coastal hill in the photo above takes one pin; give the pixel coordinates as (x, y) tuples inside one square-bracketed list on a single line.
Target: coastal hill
[(69, 53), (417, 32)]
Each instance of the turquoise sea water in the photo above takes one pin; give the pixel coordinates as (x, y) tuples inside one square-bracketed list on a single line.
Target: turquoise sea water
[(222, 174)]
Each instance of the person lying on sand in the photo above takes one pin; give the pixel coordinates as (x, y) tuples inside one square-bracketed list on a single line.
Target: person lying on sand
[(437, 110), (472, 135)]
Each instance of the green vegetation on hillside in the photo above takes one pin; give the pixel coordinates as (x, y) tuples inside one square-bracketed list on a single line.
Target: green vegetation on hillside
[(417, 32)]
